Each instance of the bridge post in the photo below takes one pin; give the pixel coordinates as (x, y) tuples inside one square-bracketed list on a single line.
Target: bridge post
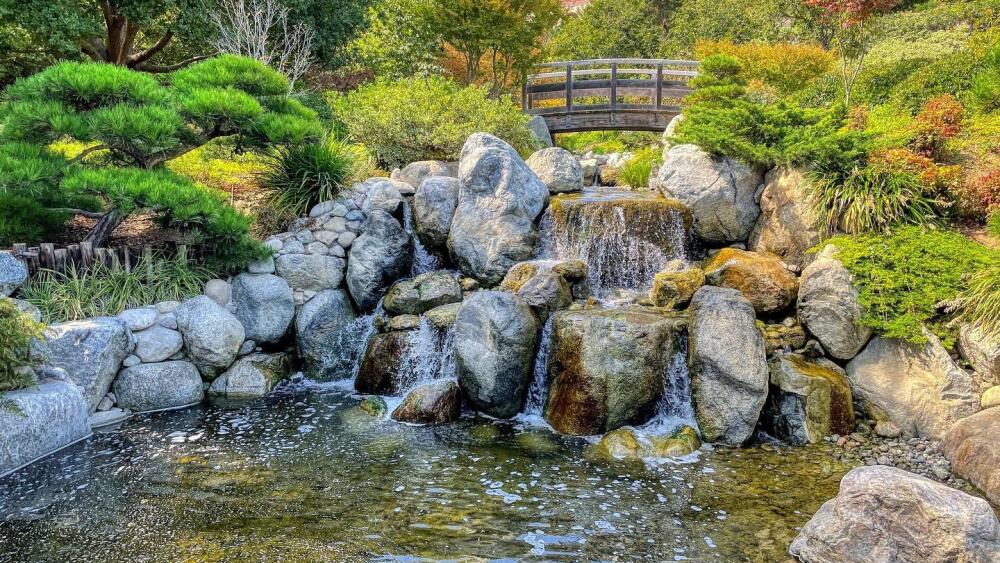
[(659, 86), (614, 90)]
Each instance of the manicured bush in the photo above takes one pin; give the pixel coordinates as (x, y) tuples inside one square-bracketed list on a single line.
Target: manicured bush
[(135, 124), (786, 68), (636, 171), (938, 121), (979, 195), (24, 220), (17, 330), (101, 290), (304, 175), (903, 275), (426, 119), (874, 199), (935, 178)]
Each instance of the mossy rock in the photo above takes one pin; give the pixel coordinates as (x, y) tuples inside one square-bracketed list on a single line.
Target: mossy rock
[(674, 287), (629, 443), (374, 406), (761, 278)]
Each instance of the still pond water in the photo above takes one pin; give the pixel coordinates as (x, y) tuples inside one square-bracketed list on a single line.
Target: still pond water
[(305, 475)]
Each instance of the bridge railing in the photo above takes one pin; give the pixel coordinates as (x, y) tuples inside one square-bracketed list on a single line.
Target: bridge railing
[(603, 85)]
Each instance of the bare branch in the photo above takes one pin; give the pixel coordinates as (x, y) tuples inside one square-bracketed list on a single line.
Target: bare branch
[(259, 29), (80, 212), (144, 56)]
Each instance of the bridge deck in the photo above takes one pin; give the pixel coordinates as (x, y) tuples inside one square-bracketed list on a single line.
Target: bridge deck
[(608, 94)]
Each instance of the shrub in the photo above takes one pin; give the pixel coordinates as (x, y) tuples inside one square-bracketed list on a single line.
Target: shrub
[(938, 121), (605, 142), (980, 302), (100, 290), (935, 179), (984, 92), (903, 275), (26, 220), (979, 195), (786, 67), (741, 22), (305, 175), (636, 171), (946, 75), (426, 119), (17, 330)]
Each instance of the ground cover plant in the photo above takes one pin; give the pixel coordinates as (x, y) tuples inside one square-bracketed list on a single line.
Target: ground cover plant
[(17, 330)]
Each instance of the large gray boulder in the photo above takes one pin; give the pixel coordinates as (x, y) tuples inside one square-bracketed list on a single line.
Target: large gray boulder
[(558, 168), (265, 305), (981, 350), (380, 256), (540, 131), (423, 293), (47, 417), (433, 208), (13, 273), (212, 334), (385, 195), (719, 192), (788, 225), (495, 336), (252, 376), (918, 387), (884, 515), (415, 173), (310, 272), (728, 365), (606, 368), (830, 308), (90, 351), (157, 343), (494, 223), (327, 339), (152, 387)]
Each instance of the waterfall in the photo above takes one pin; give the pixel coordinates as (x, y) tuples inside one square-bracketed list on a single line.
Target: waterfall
[(674, 408), (423, 260), (357, 334), (429, 357), (625, 239), (538, 390)]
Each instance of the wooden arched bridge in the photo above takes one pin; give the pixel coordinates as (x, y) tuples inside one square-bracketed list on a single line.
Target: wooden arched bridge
[(608, 94)]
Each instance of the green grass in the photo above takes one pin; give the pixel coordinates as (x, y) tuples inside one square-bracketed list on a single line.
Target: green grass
[(103, 291), (636, 171), (605, 142)]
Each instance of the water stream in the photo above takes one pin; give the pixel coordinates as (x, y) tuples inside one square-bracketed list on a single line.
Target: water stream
[(423, 260)]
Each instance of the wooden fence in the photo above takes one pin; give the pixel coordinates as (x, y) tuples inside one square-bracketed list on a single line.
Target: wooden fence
[(47, 256)]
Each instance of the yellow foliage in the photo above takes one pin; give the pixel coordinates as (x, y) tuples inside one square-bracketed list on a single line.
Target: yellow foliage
[(784, 67)]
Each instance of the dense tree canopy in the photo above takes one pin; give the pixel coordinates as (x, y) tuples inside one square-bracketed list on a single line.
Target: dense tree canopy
[(611, 29)]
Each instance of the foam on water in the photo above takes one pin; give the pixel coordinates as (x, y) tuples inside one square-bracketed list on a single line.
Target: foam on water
[(423, 260)]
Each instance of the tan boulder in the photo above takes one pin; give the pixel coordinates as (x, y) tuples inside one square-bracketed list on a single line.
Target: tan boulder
[(761, 278), (973, 448), (632, 444), (981, 350), (788, 225), (676, 284), (808, 400)]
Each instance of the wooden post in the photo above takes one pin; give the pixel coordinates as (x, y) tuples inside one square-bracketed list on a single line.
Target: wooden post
[(147, 258), (569, 87), (46, 255), (659, 87), (525, 105), (614, 90), (86, 255)]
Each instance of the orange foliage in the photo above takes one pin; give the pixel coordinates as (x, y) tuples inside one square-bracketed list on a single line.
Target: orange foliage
[(939, 120)]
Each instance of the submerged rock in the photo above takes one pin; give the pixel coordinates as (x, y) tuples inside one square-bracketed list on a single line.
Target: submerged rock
[(252, 376), (884, 514), (558, 169), (327, 342), (916, 386), (90, 351), (374, 406), (631, 444), (719, 192), (433, 208), (830, 307), (809, 400), (761, 278), (494, 223), (606, 368), (265, 306), (675, 285), (432, 403), (423, 293), (972, 446), (212, 334), (495, 337), (380, 256), (41, 420), (150, 387), (728, 365), (788, 225)]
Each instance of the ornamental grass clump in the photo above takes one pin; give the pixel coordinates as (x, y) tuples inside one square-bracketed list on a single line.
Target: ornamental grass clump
[(17, 330), (304, 175), (636, 171)]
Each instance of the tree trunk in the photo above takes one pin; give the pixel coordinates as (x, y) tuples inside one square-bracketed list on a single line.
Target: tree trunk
[(118, 46), (103, 229)]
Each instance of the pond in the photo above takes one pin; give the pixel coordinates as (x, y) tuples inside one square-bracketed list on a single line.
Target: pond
[(306, 475)]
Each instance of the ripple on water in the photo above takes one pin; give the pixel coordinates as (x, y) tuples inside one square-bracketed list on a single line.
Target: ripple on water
[(306, 475)]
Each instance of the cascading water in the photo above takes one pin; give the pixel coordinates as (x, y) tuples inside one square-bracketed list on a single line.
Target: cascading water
[(624, 237), (674, 407), (423, 259), (539, 389), (429, 357)]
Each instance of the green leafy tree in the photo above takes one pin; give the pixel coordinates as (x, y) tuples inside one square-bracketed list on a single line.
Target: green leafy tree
[(734, 20), (395, 44), (131, 125), (147, 35), (610, 29)]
